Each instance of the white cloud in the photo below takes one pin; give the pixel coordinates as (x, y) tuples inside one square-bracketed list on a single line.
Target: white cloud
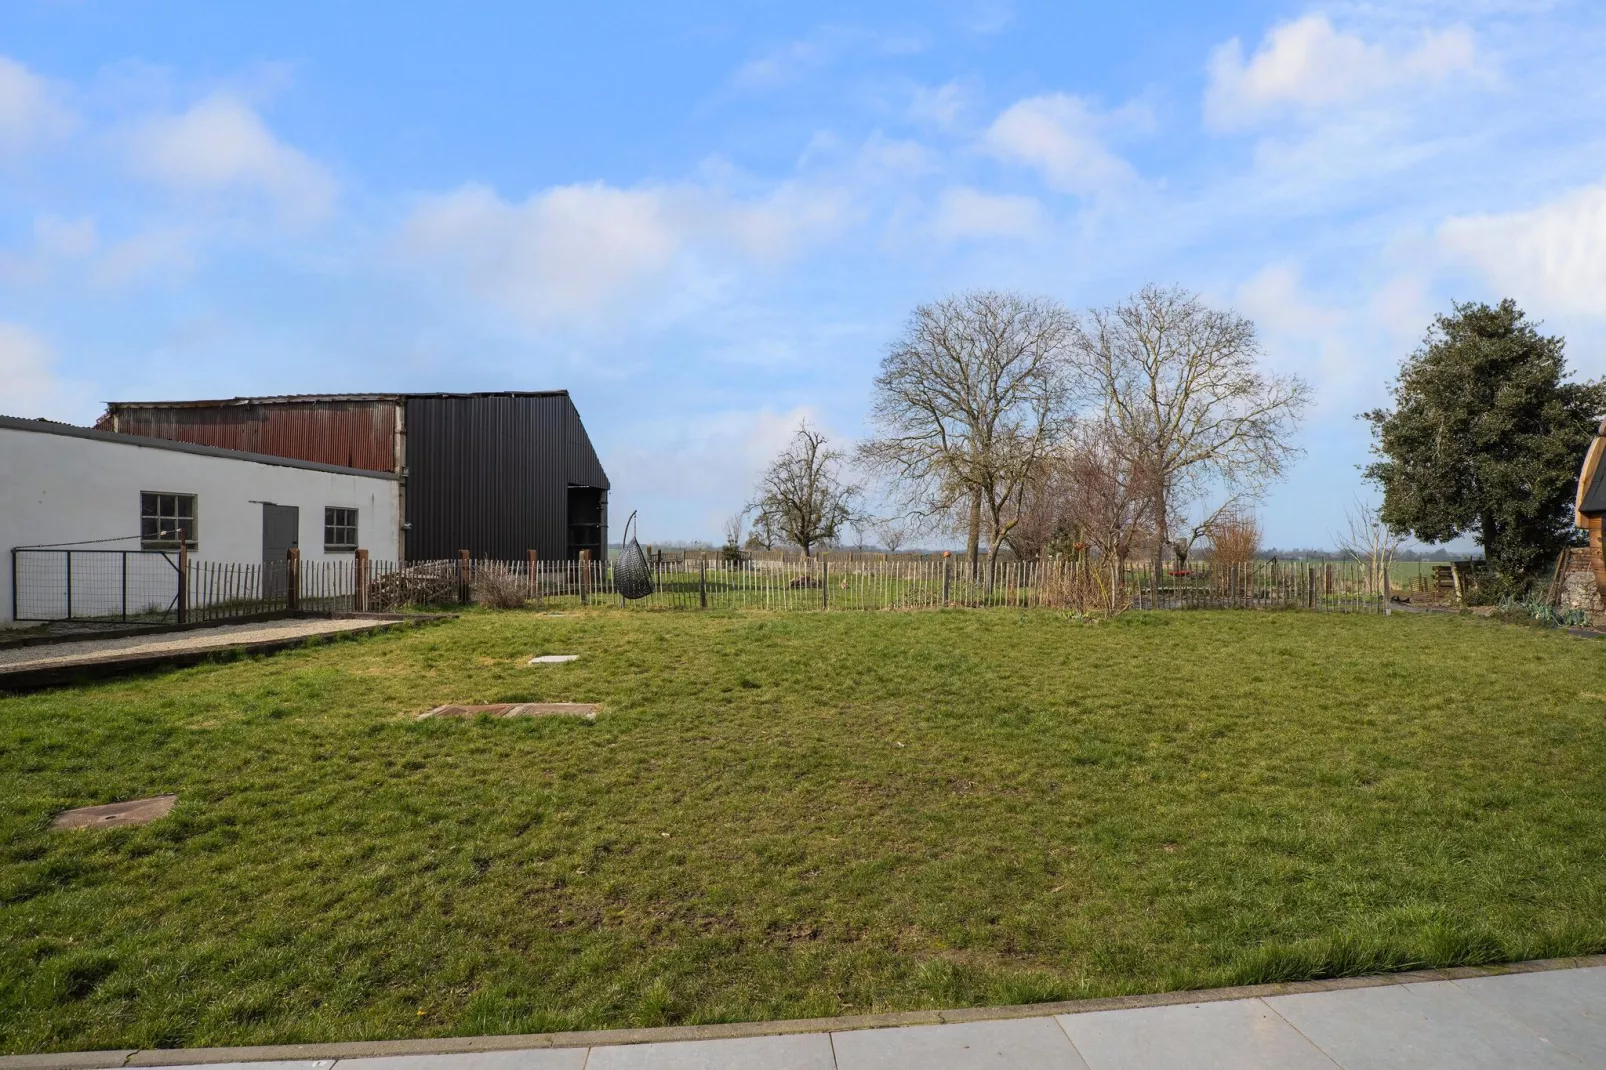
[(990, 16), (1061, 136), (221, 144), (782, 65), (65, 239), (940, 106), (1402, 308), (1275, 299), (27, 368), (964, 213), (824, 46), (163, 251), (1553, 255), (30, 109), (573, 254), (1306, 65), (698, 470), (561, 253)]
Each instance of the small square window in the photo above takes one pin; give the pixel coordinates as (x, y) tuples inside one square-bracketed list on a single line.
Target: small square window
[(339, 528), (167, 521)]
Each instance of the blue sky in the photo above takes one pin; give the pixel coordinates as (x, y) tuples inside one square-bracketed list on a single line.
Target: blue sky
[(707, 221)]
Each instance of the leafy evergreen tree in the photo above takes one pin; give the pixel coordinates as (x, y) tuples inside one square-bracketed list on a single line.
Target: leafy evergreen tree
[(1485, 438)]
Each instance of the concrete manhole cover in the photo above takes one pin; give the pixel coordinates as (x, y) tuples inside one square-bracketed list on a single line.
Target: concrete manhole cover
[(553, 659), (112, 815), (588, 710)]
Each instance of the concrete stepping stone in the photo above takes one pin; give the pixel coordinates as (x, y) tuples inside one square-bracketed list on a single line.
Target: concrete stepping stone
[(588, 710), (553, 659), (115, 815)]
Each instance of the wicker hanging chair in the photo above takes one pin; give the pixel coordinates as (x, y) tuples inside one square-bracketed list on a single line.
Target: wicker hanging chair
[(632, 575)]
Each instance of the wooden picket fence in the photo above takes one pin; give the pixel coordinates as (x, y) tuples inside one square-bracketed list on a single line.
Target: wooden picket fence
[(828, 582)]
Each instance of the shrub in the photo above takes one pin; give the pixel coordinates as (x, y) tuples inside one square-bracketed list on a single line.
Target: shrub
[(1234, 540), (499, 587)]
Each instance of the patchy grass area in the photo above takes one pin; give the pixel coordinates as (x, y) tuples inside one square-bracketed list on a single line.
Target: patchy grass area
[(785, 816)]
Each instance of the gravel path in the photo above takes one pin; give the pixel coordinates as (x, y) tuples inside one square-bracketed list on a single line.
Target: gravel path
[(223, 636)]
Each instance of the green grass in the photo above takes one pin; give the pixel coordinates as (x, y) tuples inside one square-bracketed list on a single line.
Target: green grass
[(792, 815)]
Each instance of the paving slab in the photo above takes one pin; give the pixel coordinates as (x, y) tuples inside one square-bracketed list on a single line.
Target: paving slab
[(1022, 1044), (301, 1064), (805, 1051), (1567, 1007), (588, 710), (559, 1059), (553, 659), (1235, 1035), (115, 815), (1423, 1026)]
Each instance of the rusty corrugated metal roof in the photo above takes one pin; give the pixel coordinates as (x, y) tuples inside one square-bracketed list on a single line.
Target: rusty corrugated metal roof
[(291, 399)]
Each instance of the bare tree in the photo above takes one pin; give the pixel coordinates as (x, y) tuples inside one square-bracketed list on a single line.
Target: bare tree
[(1108, 497), (763, 535), (892, 532), (1044, 514), (802, 497), (969, 402), (1367, 540), (732, 550), (1183, 385)]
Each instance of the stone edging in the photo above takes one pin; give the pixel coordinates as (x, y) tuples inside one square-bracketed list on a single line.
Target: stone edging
[(358, 1049)]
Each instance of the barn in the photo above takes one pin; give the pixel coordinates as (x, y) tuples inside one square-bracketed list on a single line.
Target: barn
[(497, 474)]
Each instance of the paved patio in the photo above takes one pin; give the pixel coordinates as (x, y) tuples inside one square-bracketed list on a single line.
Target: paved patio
[(1540, 1018)]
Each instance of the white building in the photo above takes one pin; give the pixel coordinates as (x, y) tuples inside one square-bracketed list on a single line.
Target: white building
[(70, 488)]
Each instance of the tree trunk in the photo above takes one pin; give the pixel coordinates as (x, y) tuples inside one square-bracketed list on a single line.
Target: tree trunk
[(1160, 534), (973, 542)]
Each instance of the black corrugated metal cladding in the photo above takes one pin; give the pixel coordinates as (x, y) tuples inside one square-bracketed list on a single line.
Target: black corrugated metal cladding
[(490, 474)]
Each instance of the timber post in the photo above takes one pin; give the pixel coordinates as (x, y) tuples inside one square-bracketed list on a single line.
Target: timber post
[(183, 604), (702, 583), (585, 576), (360, 595), (292, 579), (463, 590), (532, 588)]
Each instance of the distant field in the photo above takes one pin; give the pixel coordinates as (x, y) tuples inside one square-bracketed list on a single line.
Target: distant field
[(792, 815)]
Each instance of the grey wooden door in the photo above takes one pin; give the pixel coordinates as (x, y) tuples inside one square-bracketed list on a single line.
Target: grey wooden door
[(281, 529)]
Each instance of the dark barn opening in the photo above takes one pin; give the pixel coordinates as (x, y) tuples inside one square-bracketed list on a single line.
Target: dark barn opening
[(588, 512)]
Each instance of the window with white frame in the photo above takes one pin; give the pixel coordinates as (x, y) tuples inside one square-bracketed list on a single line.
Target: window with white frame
[(339, 528), (167, 520)]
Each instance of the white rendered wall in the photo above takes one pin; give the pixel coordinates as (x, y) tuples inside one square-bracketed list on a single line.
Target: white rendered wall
[(59, 488)]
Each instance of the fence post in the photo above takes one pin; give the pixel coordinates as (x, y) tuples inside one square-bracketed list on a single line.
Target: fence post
[(69, 585), (702, 582), (1310, 587), (463, 592), (1387, 608), (292, 578), (532, 587), (585, 576), (125, 585), (825, 583), (182, 602), (359, 598), (947, 575)]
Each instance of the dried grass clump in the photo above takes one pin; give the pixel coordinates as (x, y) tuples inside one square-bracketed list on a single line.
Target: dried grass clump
[(499, 587), (1234, 540)]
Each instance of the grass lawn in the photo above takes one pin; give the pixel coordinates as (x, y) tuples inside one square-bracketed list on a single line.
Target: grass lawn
[(792, 815)]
